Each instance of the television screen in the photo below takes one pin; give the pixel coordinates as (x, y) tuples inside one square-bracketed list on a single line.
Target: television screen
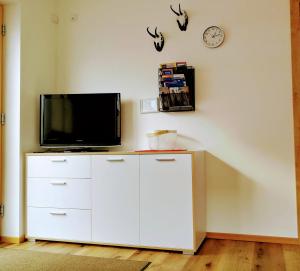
[(79, 120)]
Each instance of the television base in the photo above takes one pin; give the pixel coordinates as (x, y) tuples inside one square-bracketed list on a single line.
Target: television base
[(84, 150), (68, 150)]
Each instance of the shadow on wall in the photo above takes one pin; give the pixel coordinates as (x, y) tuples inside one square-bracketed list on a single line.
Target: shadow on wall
[(127, 124), (230, 196), (188, 142)]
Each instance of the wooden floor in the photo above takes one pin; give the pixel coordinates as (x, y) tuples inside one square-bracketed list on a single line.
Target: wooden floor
[(213, 255)]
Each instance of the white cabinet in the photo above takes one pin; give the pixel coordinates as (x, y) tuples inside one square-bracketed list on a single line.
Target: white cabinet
[(166, 202), (129, 199), (115, 208)]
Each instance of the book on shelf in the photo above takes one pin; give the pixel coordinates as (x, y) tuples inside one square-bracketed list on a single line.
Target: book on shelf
[(175, 83), (179, 89), (181, 64), (173, 76), (167, 77), (173, 65), (179, 76), (168, 65), (167, 71)]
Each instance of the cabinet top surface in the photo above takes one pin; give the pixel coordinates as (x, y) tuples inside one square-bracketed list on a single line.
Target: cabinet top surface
[(110, 153)]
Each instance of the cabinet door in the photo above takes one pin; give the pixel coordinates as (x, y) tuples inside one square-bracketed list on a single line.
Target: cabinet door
[(166, 201), (115, 200)]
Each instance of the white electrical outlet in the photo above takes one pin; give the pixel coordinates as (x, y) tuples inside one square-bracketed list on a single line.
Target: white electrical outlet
[(149, 106)]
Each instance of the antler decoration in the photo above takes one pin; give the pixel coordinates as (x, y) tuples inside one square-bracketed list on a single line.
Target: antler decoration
[(159, 40), (182, 18)]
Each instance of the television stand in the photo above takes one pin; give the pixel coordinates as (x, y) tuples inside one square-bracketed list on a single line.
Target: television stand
[(118, 198), (84, 150)]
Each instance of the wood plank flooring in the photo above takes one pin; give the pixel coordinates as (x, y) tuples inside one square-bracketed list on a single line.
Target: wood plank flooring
[(214, 255)]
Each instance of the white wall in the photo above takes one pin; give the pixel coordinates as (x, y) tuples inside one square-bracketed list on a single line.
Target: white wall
[(243, 89), (244, 94), (30, 53), (38, 57), (11, 88)]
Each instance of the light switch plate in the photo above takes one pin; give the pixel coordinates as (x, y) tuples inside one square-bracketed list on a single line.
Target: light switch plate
[(149, 106)]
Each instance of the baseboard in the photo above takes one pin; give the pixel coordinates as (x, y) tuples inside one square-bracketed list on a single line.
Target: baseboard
[(12, 240), (253, 238), (212, 235)]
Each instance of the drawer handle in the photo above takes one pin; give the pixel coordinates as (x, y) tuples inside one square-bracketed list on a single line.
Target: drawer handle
[(115, 160), (59, 160), (58, 213), (59, 183), (165, 159)]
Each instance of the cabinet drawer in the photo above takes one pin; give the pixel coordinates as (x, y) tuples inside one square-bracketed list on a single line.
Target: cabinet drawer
[(61, 224), (59, 193), (59, 167)]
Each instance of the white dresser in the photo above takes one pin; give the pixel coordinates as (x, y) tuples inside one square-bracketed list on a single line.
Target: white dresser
[(134, 199)]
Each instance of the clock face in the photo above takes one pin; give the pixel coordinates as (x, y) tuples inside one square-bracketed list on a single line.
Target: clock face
[(213, 37)]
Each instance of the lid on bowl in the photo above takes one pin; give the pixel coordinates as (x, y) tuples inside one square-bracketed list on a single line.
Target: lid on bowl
[(161, 132)]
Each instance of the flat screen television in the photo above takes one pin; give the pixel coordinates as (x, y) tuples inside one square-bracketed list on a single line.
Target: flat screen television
[(80, 120)]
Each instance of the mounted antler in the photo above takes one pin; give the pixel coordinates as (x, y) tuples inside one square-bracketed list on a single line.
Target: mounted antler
[(159, 40), (153, 35), (177, 13), (183, 18)]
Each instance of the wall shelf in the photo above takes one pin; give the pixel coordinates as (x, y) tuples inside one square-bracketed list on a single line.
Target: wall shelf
[(176, 88)]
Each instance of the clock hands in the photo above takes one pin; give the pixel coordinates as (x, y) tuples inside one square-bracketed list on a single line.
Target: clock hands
[(215, 35)]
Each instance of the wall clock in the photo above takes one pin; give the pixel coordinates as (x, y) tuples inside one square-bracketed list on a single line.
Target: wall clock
[(213, 36)]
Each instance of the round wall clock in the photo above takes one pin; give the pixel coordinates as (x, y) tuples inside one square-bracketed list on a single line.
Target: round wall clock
[(213, 36)]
